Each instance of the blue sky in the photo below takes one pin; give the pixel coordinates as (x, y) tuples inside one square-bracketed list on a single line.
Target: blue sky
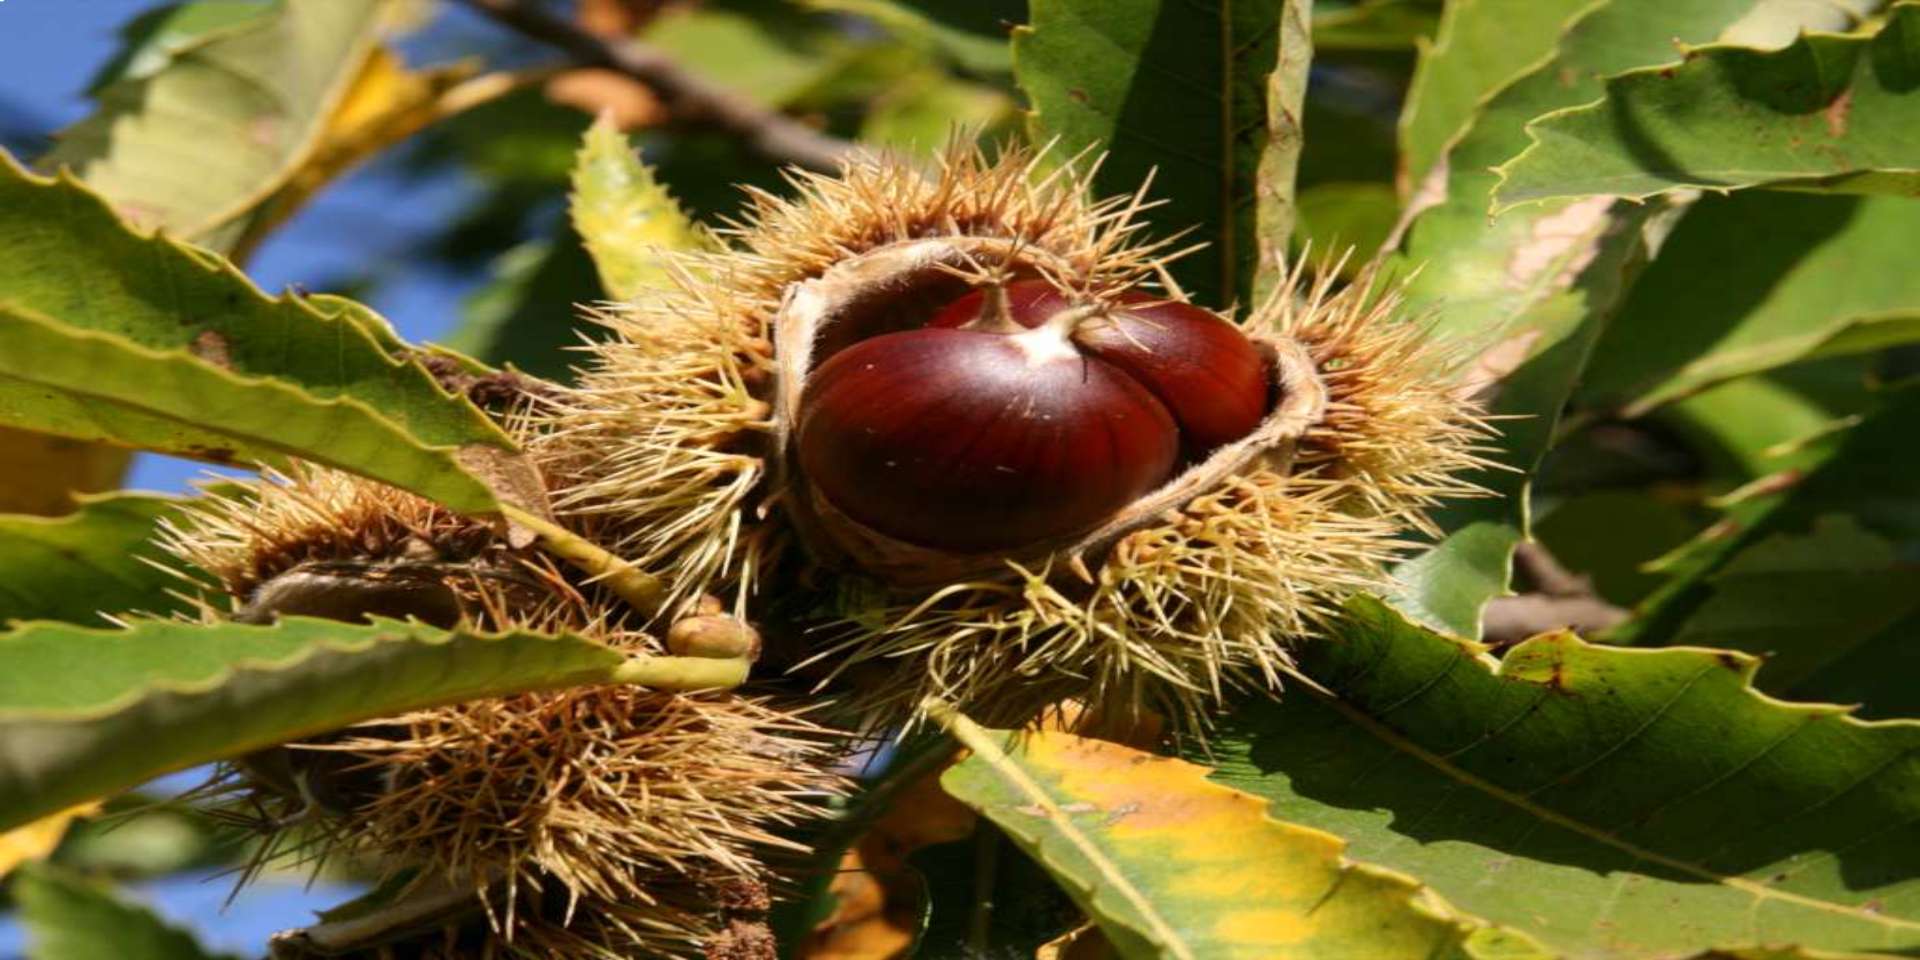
[(49, 50)]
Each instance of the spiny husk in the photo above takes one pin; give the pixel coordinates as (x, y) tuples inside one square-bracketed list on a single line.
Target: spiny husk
[(616, 796), (663, 452), (1223, 570), (679, 443)]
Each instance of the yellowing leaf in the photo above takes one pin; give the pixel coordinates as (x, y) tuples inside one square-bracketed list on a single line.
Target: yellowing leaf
[(40, 473), (1172, 865), (37, 839), (386, 104), (625, 216)]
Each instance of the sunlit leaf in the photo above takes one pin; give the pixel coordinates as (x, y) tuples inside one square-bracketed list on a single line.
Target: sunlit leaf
[(1816, 277), (626, 216), (1172, 865), (1608, 802), (1479, 46), (1840, 110), (73, 699), (146, 342), (34, 841), (194, 141)]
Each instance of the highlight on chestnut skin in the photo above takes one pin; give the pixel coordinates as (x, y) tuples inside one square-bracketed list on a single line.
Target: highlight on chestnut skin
[(1017, 416)]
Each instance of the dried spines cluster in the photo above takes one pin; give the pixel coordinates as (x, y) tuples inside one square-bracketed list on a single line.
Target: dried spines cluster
[(1397, 433), (608, 794), (616, 806)]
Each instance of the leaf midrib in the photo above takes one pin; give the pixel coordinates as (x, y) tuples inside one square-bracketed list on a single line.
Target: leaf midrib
[(1394, 739)]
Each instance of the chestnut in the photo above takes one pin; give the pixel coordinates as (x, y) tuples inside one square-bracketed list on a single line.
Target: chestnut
[(1206, 372), (987, 433)]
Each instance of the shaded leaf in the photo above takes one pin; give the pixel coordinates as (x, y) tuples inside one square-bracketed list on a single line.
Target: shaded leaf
[(1816, 276), (1161, 86), (1608, 802), (71, 918), (924, 108), (40, 473), (1866, 474), (147, 342), (73, 699), (971, 35), (1608, 536), (1539, 282), (1374, 24), (1827, 108), (774, 53), (1803, 601), (1336, 216), (1171, 865), (528, 313), (193, 143), (98, 559), (626, 216)]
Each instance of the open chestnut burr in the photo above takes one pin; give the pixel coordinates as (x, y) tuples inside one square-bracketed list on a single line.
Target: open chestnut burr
[(1018, 415)]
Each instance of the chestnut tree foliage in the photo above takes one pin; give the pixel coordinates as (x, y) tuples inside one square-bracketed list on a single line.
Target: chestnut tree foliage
[(1657, 697)]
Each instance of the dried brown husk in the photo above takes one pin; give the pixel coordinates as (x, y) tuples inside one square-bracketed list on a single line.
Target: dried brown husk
[(587, 822)]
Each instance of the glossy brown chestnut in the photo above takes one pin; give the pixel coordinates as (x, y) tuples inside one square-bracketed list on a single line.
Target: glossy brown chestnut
[(1206, 372), (974, 434)]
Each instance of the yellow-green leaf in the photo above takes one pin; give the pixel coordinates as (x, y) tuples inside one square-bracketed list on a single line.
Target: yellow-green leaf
[(199, 137), (1173, 866), (85, 713), (626, 216)]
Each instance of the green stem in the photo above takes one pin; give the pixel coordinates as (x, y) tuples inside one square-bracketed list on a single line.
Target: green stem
[(641, 590), (682, 674)]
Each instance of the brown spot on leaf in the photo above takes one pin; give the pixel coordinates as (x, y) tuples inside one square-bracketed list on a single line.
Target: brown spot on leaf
[(1078, 95), (211, 346), (1836, 113), (1730, 660), (1559, 246)]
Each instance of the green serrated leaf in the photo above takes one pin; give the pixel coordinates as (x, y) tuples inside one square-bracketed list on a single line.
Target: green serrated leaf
[(147, 342), (1534, 288), (97, 560), (1478, 47), (626, 216), (1827, 111), (1610, 803), (214, 112), (1173, 866), (71, 918), (87, 712), (1816, 277), (1804, 600), (1165, 88), (1852, 587)]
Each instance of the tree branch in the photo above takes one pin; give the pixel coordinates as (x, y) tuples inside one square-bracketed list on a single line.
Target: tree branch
[(687, 97), (1561, 600)]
